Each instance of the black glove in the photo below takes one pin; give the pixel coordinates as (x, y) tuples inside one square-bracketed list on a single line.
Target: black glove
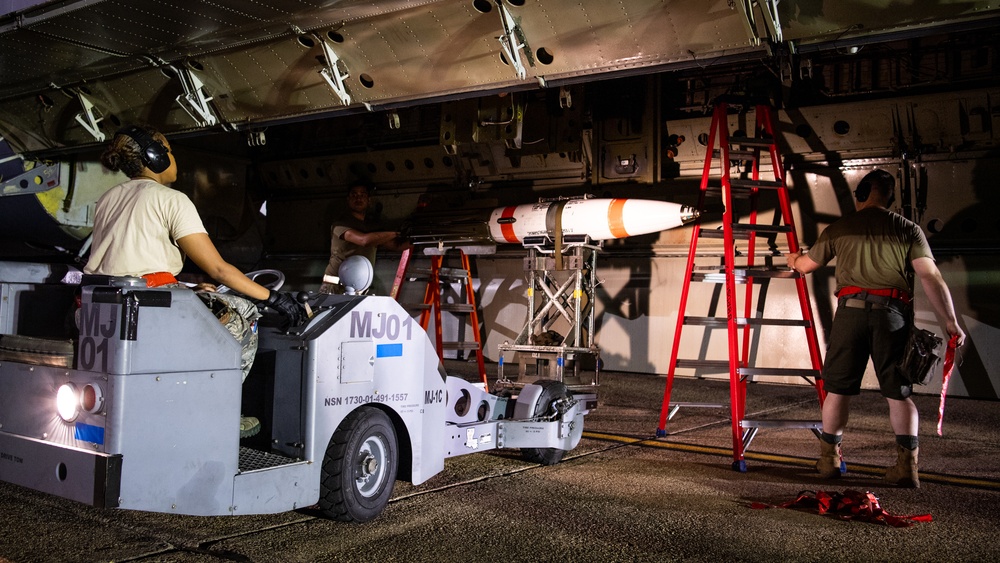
[(285, 304), (405, 231)]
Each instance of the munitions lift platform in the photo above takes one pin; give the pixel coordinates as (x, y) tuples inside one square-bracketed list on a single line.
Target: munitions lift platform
[(561, 276)]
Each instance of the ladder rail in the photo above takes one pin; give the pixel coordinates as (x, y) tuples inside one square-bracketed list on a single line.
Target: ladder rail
[(695, 233), (737, 386), (751, 257), (474, 319), (432, 297), (397, 281), (805, 303)]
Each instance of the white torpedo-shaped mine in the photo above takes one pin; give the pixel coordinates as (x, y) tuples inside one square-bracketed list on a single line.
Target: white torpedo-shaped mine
[(598, 219)]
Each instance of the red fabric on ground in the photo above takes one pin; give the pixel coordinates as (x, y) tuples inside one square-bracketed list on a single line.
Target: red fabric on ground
[(849, 505)]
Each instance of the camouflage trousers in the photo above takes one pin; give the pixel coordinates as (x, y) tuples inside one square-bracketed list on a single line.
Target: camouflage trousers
[(239, 315)]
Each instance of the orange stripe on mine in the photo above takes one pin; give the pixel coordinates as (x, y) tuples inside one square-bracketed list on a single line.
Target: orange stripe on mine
[(508, 228), (616, 221)]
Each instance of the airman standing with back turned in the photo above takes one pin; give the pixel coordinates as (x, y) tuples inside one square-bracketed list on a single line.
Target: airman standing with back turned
[(878, 252)]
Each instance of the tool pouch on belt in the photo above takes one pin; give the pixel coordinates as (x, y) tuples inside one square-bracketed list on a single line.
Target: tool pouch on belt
[(921, 355)]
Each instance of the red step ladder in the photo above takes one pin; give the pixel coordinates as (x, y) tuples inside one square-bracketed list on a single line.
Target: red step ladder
[(729, 153), (438, 279)]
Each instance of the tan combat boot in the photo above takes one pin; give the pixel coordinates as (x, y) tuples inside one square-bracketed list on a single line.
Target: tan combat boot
[(904, 473), (828, 464)]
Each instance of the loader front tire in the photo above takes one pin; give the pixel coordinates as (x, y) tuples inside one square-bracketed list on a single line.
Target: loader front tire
[(359, 469)]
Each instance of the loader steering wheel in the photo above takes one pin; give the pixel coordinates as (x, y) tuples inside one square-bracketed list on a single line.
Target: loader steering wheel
[(272, 284)]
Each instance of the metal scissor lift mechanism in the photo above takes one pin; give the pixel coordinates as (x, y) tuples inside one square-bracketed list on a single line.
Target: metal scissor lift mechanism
[(561, 282), (441, 279), (729, 153)]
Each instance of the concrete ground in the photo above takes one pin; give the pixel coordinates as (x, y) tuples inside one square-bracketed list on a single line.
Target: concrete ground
[(621, 495)]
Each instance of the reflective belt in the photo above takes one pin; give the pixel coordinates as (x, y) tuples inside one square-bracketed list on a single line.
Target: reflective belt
[(156, 279), (862, 293)]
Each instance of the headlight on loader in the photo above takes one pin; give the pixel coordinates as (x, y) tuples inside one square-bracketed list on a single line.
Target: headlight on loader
[(67, 402)]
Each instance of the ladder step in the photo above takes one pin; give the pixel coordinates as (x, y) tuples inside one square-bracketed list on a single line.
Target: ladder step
[(751, 142), (698, 405), (778, 372), (460, 345), (716, 364), (415, 306), (716, 191), (740, 275), (458, 307), (750, 227), (736, 154), (424, 274), (453, 273), (741, 231), (743, 321), (780, 273), (723, 365), (717, 277), (719, 233), (744, 183), (818, 425), (674, 407), (756, 271)]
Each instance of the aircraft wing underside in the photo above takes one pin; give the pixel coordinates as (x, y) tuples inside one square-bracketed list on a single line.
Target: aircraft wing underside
[(74, 70)]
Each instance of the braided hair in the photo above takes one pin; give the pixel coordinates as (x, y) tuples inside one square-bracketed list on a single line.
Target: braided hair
[(124, 153)]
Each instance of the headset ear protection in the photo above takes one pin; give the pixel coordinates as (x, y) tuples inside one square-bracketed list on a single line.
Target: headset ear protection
[(153, 154), (864, 189)]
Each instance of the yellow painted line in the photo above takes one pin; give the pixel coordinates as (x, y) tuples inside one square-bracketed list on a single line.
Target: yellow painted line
[(944, 478), (613, 437)]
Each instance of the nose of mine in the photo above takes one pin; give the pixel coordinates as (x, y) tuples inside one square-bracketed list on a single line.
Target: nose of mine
[(688, 214)]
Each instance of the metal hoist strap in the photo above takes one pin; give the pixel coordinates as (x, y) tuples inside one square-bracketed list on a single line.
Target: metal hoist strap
[(558, 234)]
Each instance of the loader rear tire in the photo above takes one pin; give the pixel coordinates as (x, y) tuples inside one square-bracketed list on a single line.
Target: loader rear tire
[(359, 469), (551, 391)]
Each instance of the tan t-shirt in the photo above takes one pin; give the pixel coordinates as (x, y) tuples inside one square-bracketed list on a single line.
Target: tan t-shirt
[(341, 249), (136, 228), (874, 248)]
